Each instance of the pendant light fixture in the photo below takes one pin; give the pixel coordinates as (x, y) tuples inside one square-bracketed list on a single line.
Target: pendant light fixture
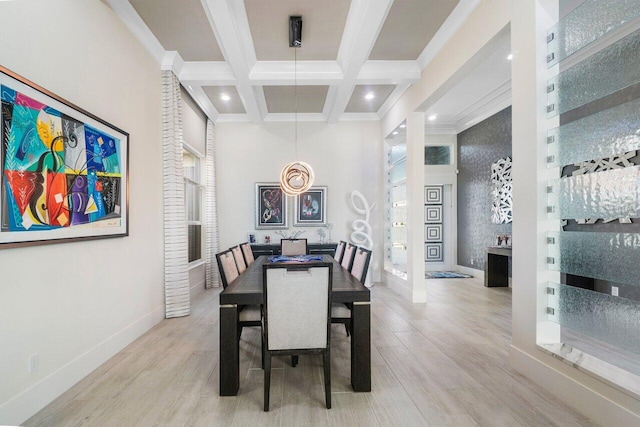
[(297, 176)]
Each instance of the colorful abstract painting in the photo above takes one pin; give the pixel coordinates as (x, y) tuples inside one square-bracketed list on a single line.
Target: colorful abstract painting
[(63, 170)]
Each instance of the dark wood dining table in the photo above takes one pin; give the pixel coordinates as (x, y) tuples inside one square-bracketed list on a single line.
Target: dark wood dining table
[(247, 290)]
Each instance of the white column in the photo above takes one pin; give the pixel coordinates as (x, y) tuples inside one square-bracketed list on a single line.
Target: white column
[(415, 206)]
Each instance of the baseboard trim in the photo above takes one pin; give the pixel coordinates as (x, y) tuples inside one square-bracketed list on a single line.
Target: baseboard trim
[(479, 274), (397, 285), (197, 289), (586, 401), (26, 404)]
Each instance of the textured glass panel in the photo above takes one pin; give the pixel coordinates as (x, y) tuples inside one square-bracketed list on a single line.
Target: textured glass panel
[(607, 256), (399, 256), (399, 214), (398, 172), (607, 133), (399, 194), (587, 23), (398, 152), (611, 319), (399, 235), (611, 69), (609, 194), (437, 155)]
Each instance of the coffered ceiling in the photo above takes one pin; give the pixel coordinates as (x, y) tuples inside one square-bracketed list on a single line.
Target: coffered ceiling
[(233, 57)]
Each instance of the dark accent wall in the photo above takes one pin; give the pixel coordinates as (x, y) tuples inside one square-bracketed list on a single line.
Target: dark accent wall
[(478, 148)]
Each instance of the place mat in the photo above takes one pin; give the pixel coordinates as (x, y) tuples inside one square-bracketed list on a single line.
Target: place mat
[(297, 258)]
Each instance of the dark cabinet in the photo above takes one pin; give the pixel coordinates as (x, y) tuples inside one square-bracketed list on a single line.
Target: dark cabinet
[(312, 248)]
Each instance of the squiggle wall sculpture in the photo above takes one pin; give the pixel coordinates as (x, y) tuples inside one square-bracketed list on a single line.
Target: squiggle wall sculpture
[(362, 232)]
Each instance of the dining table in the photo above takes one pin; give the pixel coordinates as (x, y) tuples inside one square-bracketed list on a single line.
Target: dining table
[(247, 289)]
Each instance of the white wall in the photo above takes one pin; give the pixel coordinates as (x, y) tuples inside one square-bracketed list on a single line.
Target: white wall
[(345, 157), (77, 304)]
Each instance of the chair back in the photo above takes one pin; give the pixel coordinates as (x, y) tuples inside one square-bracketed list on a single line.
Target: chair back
[(227, 267), (361, 264), (349, 254), (293, 247), (237, 255), (248, 253), (297, 306), (340, 251)]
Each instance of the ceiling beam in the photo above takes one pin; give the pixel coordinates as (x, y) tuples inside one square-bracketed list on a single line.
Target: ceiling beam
[(448, 28), (228, 19), (392, 99), (285, 73), (364, 22), (136, 25), (389, 72), (217, 73)]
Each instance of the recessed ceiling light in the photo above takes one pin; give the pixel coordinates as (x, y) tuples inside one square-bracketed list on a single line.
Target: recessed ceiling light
[(402, 126), (510, 57), (370, 95), (433, 117), (395, 132), (225, 97)]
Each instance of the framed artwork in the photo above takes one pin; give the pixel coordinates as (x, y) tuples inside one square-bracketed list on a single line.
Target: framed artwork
[(433, 194), (271, 206), (63, 171), (311, 208), (433, 214)]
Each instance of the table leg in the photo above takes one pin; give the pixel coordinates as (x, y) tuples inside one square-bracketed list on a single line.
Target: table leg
[(229, 351), (361, 346)]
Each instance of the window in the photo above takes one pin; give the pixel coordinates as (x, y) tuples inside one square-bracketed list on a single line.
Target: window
[(194, 193), (437, 155)]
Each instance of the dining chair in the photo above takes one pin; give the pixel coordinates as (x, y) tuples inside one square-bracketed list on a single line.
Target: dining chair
[(227, 267), (340, 251), (248, 253), (297, 316), (248, 315), (341, 313), (360, 264), (293, 247), (239, 257), (347, 258)]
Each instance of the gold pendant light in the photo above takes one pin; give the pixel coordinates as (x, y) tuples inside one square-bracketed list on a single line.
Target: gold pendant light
[(296, 177)]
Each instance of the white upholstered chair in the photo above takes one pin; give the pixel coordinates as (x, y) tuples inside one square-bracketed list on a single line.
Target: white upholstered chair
[(297, 316), (237, 255), (293, 247), (340, 251), (227, 267), (248, 253), (347, 258), (248, 315), (341, 313), (360, 264)]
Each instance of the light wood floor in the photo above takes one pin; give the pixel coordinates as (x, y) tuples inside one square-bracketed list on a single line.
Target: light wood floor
[(443, 363)]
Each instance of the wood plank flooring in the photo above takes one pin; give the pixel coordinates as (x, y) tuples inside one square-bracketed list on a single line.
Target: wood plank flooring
[(443, 363)]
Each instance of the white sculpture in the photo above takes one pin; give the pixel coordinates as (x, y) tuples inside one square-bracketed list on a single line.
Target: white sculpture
[(362, 232)]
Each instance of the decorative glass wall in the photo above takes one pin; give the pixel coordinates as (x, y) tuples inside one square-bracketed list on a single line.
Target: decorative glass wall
[(594, 199), (396, 206)]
